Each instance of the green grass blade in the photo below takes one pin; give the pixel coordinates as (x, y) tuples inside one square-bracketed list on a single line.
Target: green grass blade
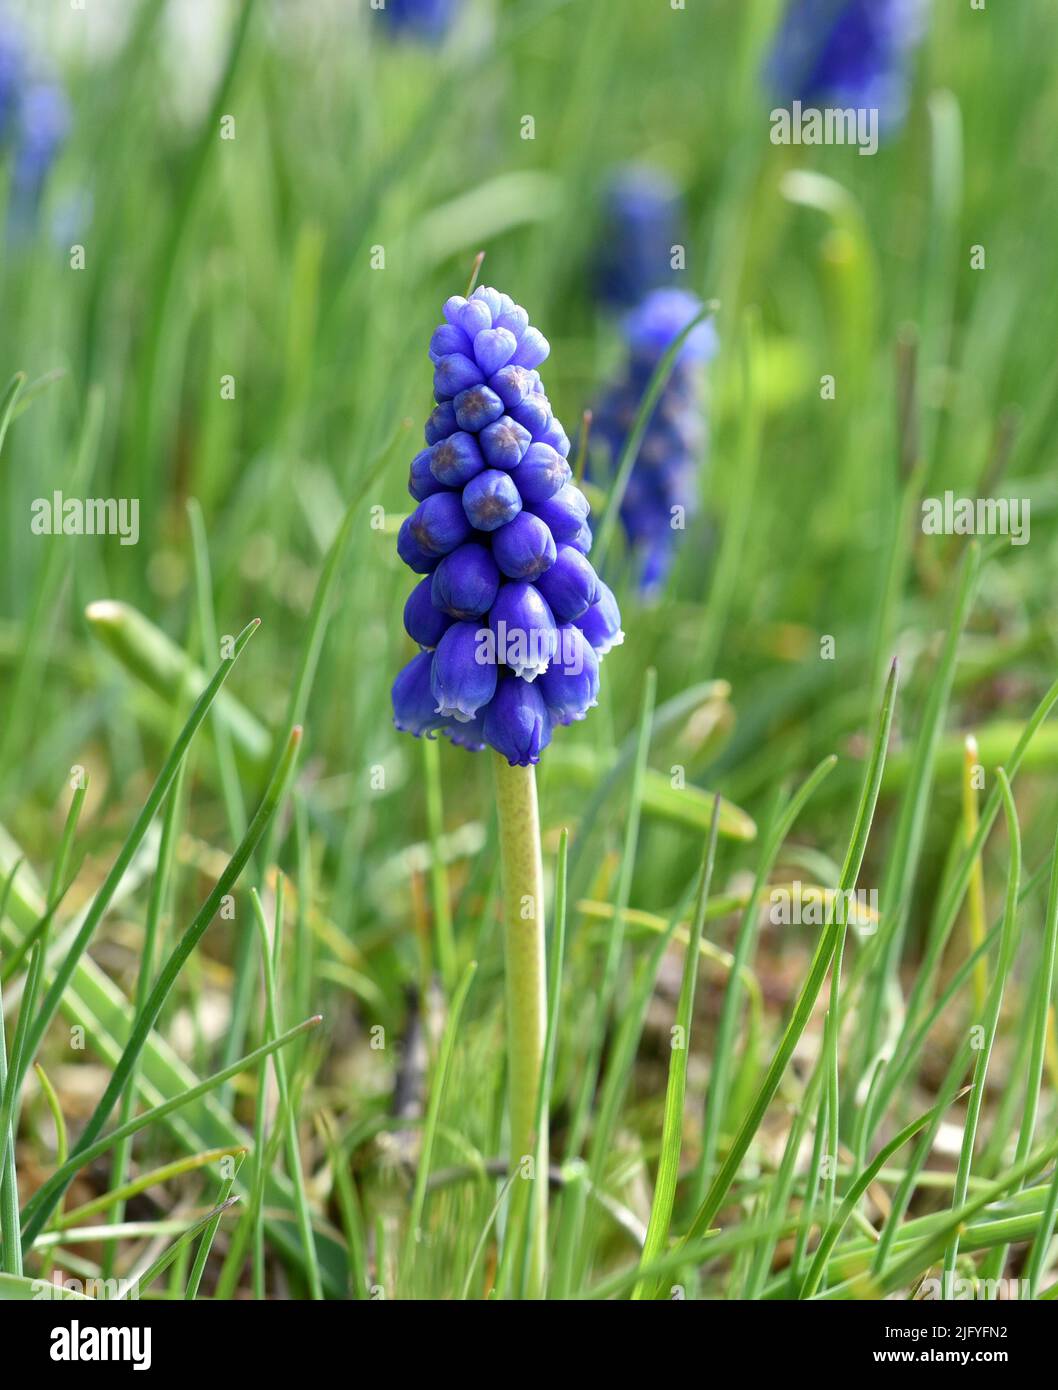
[(148, 959), (288, 1119), (141, 1183), (820, 964), (65, 1173), (990, 1022), (880, 958), (676, 1089), (433, 1110), (902, 1271), (148, 654), (8, 401), (146, 1017), (209, 1232), (615, 940), (11, 1262), (210, 1221), (833, 1231), (101, 901), (720, 1076), (444, 944), (234, 804), (10, 1095)]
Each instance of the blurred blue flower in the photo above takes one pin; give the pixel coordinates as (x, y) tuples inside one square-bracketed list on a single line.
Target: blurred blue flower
[(12, 73), (501, 532), (847, 53), (662, 491), (428, 20), (43, 122), (643, 220), (34, 120)]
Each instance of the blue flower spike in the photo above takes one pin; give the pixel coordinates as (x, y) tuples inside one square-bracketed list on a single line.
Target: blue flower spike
[(662, 490), (643, 222), (34, 122), (505, 612), (426, 21), (847, 53)]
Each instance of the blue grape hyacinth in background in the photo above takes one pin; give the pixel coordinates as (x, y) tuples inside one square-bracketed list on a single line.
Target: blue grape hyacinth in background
[(847, 53), (429, 20), (662, 491), (510, 615), (34, 119), (642, 221)]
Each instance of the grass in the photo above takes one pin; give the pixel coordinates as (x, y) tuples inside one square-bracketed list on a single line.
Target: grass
[(252, 978)]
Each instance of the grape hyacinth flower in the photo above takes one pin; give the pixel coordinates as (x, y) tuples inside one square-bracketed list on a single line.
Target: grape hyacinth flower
[(34, 118), (428, 20), (12, 68), (501, 536), (43, 120), (662, 490), (642, 224), (847, 54), (512, 622)]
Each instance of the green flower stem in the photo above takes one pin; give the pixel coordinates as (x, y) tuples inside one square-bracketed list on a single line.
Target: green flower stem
[(523, 911)]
